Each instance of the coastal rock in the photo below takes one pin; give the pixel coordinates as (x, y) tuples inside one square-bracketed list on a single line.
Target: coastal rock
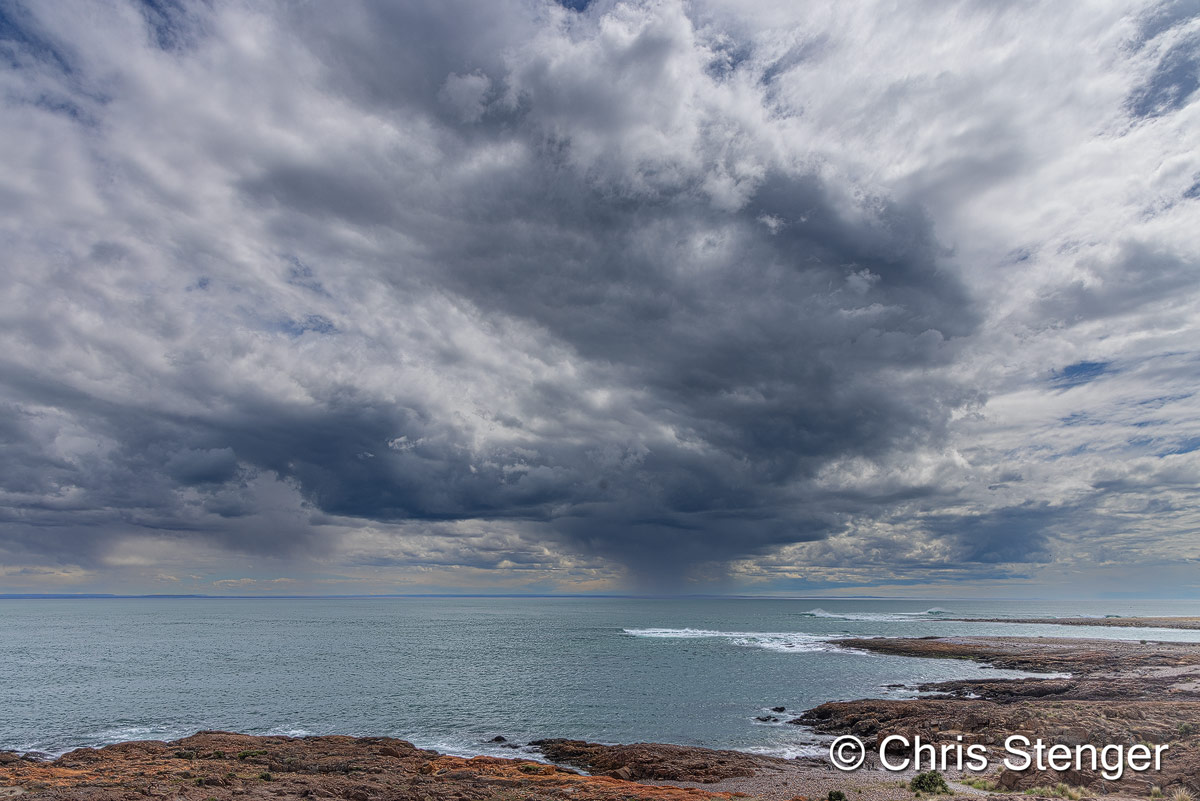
[(1079, 657), (222, 766), (652, 761), (1122, 693), (867, 726)]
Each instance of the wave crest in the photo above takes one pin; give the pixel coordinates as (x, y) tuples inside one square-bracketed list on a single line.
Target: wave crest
[(878, 617), (781, 641)]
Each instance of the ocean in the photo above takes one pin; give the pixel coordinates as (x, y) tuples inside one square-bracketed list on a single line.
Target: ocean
[(454, 673)]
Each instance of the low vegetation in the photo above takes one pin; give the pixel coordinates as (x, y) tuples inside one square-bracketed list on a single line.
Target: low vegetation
[(1060, 790), (980, 783), (930, 782)]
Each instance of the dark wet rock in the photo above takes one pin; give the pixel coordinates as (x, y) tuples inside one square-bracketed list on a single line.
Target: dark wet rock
[(653, 761), (37, 756)]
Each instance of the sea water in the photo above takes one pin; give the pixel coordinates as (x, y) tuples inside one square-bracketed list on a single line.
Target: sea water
[(454, 673)]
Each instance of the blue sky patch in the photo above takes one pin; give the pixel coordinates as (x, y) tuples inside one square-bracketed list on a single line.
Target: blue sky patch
[(1074, 375)]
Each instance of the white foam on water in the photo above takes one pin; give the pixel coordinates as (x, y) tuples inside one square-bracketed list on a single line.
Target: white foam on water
[(102, 737), (780, 641), (124, 734), (878, 617), (788, 750), (289, 731), (467, 747)]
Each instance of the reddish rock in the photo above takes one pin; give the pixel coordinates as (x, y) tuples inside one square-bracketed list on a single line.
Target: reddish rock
[(652, 761), (220, 765)]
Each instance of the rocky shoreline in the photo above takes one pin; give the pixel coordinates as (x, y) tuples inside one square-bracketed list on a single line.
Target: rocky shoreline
[(1099, 691), (1117, 692), (1189, 623)]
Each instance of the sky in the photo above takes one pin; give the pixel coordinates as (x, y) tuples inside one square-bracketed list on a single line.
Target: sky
[(874, 298)]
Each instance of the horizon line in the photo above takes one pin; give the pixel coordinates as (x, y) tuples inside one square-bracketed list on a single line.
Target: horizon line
[(644, 596)]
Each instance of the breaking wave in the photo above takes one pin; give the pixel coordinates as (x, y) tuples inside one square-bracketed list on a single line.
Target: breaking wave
[(782, 641), (879, 617)]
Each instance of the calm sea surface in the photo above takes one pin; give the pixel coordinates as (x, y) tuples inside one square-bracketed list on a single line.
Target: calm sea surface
[(453, 673)]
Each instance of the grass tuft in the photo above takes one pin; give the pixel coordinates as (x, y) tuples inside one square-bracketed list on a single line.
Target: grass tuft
[(1060, 790), (980, 784)]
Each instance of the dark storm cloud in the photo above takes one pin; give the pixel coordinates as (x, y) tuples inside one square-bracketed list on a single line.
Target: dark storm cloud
[(742, 371), (1007, 535), (766, 362), (572, 275)]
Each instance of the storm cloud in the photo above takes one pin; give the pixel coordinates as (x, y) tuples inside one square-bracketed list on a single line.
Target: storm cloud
[(611, 296)]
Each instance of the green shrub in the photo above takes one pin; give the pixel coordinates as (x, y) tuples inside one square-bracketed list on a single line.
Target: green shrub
[(930, 782), (836, 795)]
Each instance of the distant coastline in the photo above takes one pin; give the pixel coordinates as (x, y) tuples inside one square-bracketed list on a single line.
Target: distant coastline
[(1187, 622)]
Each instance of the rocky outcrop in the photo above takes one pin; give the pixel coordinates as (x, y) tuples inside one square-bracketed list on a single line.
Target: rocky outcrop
[(651, 761), (1120, 693), (1079, 657), (219, 765)]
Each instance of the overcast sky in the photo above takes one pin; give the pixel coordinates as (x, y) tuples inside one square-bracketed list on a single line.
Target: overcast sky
[(513, 296)]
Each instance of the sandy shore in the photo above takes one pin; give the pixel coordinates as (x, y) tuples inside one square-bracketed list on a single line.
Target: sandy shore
[(1116, 692)]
